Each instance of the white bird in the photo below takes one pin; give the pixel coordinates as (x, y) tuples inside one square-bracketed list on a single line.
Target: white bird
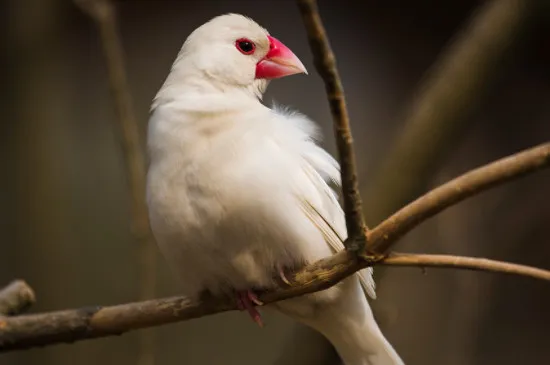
[(238, 192)]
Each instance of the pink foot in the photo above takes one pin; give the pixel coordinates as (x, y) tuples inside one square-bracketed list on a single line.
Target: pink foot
[(247, 300)]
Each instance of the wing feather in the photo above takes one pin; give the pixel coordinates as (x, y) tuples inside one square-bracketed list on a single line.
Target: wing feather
[(333, 238)]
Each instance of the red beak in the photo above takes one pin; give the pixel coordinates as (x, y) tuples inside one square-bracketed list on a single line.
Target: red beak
[(280, 61)]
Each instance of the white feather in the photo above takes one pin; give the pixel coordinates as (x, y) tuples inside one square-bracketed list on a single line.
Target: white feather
[(236, 189)]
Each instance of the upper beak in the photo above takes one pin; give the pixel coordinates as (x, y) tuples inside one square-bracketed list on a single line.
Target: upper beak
[(280, 61)]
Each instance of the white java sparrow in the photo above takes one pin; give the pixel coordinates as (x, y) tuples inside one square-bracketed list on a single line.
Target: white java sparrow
[(238, 192)]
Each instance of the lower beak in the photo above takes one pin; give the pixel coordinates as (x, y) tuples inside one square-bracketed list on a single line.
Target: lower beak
[(280, 61)]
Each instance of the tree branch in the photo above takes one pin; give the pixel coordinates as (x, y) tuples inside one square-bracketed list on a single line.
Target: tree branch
[(103, 14), (72, 325), (467, 263), (325, 62), (86, 323), (16, 298), (458, 189)]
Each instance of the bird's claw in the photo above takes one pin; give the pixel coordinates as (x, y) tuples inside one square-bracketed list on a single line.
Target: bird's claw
[(283, 276), (247, 300), (254, 298)]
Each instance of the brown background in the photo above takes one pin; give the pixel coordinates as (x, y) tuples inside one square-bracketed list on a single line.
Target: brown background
[(63, 193)]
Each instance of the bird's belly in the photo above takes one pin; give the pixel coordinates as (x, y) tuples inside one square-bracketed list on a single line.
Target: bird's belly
[(210, 247), (219, 266)]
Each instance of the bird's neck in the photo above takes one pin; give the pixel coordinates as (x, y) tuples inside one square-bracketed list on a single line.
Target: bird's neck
[(180, 84)]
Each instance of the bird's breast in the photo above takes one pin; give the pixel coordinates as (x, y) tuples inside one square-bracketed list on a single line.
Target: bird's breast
[(214, 223)]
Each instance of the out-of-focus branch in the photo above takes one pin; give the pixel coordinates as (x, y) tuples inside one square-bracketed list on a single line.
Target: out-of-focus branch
[(16, 298), (441, 109), (467, 263), (103, 14), (458, 189), (325, 62), (72, 325)]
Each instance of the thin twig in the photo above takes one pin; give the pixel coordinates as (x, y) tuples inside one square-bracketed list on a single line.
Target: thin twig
[(441, 109), (325, 62), (72, 325), (467, 263), (16, 297), (103, 14), (458, 189)]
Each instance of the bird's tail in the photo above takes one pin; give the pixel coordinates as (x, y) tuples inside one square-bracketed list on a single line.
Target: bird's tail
[(349, 324), (359, 341)]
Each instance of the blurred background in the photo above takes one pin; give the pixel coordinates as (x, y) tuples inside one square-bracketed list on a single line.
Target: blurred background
[(66, 220)]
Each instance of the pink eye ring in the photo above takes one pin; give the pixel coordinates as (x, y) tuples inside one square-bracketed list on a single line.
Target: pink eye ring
[(245, 46)]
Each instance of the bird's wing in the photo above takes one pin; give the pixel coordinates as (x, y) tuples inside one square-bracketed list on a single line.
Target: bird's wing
[(329, 218)]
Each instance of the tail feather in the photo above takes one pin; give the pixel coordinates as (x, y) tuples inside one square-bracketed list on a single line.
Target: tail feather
[(349, 324)]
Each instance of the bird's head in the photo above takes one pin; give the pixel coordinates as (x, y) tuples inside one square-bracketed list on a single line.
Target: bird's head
[(232, 51)]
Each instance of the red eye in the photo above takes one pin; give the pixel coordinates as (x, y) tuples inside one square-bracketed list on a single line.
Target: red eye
[(245, 46)]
